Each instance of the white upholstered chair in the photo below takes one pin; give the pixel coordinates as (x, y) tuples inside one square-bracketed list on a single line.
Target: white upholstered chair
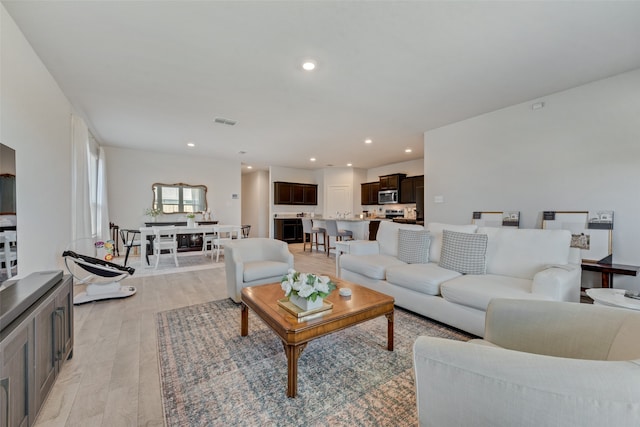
[(541, 363), (165, 239), (255, 261)]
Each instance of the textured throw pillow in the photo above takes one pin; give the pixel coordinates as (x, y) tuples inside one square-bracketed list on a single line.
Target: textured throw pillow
[(413, 246), (464, 252)]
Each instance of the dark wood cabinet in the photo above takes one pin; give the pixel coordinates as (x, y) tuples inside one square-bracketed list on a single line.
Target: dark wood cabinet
[(291, 193), (391, 182), (186, 242), (369, 193), (310, 194), (288, 229), (373, 229), (409, 188)]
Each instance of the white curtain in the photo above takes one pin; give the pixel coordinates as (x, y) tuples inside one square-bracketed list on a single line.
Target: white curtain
[(81, 201), (102, 211)]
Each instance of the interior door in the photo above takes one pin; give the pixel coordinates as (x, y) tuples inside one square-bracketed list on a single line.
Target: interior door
[(339, 199)]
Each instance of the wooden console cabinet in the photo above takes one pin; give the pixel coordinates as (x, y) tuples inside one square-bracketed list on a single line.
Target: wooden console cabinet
[(35, 341)]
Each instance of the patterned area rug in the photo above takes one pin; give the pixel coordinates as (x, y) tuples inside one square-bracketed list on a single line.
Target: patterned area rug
[(211, 375)]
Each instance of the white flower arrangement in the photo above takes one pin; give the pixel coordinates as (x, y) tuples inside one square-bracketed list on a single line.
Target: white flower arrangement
[(306, 285)]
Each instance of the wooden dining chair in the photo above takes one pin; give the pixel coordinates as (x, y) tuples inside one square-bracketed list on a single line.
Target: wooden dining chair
[(9, 251)]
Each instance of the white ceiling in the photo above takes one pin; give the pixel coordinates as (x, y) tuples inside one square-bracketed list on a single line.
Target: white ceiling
[(153, 75)]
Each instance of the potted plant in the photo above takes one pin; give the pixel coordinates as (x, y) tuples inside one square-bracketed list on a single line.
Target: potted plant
[(306, 290), (191, 220), (153, 213)]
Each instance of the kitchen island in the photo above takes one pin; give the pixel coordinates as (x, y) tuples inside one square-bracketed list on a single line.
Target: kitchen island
[(359, 227)]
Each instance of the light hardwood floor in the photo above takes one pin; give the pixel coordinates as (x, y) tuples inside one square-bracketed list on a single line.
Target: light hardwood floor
[(113, 377)]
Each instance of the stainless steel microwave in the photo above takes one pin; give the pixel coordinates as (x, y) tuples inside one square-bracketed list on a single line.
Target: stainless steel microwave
[(388, 196)]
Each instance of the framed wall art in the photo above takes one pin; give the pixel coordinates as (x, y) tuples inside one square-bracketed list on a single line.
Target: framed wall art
[(591, 232), (496, 219)]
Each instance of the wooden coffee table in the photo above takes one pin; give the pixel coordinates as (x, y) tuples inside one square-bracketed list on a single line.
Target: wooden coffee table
[(363, 304)]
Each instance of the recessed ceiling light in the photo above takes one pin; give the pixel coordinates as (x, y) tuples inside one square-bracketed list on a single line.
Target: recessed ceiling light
[(408, 150), (190, 144), (368, 141), (249, 167), (313, 159), (349, 164), (309, 65)]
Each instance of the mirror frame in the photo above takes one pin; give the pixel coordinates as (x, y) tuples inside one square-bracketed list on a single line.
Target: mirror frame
[(181, 185)]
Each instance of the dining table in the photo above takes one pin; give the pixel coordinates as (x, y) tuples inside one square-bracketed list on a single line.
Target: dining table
[(146, 232)]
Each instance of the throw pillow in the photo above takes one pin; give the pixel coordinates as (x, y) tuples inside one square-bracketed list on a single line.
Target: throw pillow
[(413, 246), (464, 252)]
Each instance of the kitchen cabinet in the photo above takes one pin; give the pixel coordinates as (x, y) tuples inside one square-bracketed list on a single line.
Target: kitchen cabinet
[(369, 193), (36, 339), (288, 229), (391, 182), (291, 193), (409, 188)]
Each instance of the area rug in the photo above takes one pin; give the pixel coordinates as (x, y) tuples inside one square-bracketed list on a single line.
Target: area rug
[(212, 376)]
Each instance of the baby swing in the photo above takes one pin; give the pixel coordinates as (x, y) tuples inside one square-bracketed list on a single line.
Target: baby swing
[(105, 275)]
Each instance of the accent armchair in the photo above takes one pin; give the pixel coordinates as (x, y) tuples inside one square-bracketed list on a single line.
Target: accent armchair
[(541, 363), (255, 261)]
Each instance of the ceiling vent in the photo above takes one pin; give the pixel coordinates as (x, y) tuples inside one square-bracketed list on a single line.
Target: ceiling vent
[(224, 121)]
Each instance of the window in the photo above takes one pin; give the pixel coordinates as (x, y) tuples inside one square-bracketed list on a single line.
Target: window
[(179, 198)]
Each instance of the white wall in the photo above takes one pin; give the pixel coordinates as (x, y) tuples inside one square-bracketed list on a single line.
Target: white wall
[(255, 202), (580, 152), (35, 120), (131, 173), (410, 167)]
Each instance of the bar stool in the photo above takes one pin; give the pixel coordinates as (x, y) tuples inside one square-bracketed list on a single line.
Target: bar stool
[(308, 228), (332, 231)]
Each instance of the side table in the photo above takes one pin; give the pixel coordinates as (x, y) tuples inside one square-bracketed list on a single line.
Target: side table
[(613, 298), (342, 247), (608, 270)]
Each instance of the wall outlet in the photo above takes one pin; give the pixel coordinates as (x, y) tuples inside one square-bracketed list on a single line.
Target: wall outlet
[(234, 196), (438, 199)]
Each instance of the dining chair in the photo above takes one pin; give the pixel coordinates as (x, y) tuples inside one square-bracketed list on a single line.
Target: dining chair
[(333, 231), (131, 239), (165, 239), (225, 234), (9, 251)]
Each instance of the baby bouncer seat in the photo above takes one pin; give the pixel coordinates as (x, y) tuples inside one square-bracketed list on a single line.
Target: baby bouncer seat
[(101, 276)]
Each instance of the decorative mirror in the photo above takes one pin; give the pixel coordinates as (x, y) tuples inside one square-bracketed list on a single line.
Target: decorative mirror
[(179, 198)]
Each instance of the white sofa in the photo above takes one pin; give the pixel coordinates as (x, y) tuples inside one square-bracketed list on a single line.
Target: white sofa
[(542, 363), (520, 264), (255, 261)]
